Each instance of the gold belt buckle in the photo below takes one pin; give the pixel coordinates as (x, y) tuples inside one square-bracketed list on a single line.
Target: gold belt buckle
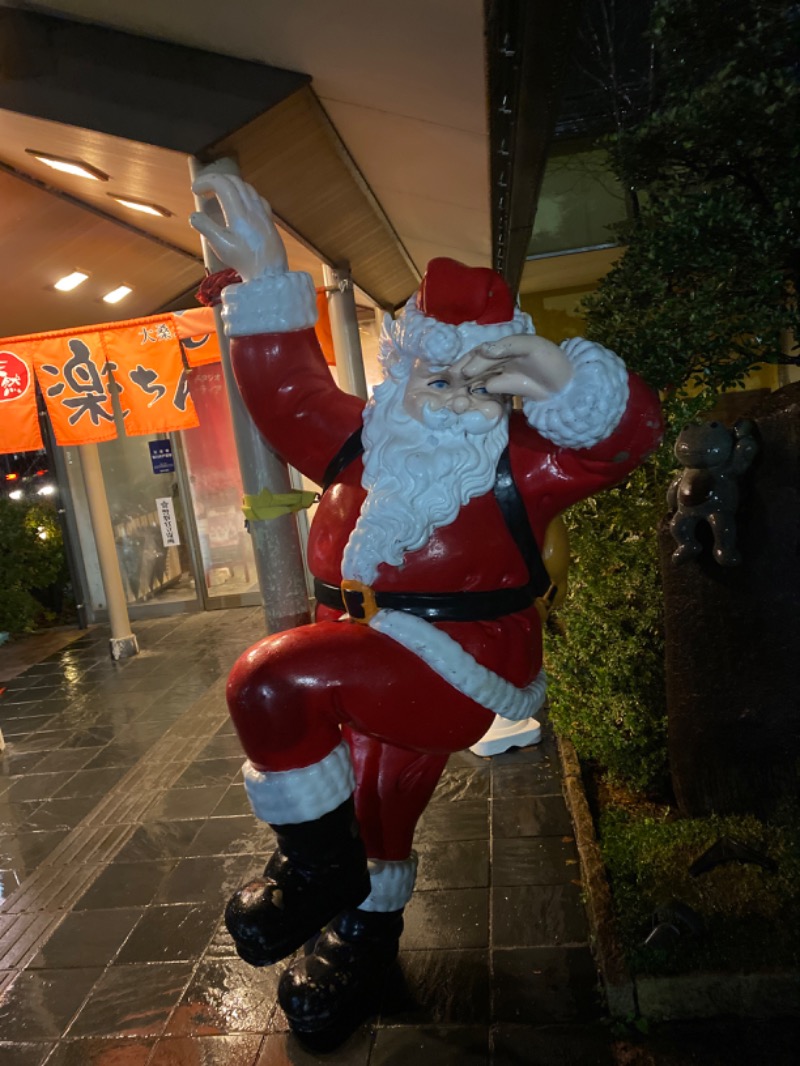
[(365, 610)]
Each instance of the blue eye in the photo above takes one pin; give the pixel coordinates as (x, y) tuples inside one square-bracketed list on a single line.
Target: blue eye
[(439, 383), (479, 390)]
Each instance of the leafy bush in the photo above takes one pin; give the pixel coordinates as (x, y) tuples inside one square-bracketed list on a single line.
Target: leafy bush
[(606, 659), (705, 292), (31, 558), (606, 673)]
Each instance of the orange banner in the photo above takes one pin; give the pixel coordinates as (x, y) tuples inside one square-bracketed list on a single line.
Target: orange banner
[(196, 329), (19, 418), (72, 375), (146, 364)]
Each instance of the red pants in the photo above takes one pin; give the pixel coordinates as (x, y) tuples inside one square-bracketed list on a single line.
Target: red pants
[(290, 694)]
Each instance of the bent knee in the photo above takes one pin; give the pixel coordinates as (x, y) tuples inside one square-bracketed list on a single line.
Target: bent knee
[(257, 684)]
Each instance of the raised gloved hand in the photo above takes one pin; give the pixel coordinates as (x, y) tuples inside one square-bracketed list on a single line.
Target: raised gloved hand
[(249, 241)]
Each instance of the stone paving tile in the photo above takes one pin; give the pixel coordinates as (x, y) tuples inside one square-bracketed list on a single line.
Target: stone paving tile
[(217, 771), (438, 987), (451, 918), (581, 1045), (24, 850), (453, 864), (87, 938), (142, 971), (240, 835), (462, 820), (534, 861), (39, 1004), (234, 802), (531, 816), (126, 884), (538, 915), (228, 996), (210, 879), (19, 1054), (432, 1046), (237, 1049), (170, 933), (542, 986), (179, 804), (132, 1001), (102, 1052), (160, 840)]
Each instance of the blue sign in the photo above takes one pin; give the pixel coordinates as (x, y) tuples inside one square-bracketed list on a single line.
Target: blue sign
[(161, 456)]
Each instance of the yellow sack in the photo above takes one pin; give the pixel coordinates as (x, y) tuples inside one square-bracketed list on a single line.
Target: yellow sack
[(268, 505)]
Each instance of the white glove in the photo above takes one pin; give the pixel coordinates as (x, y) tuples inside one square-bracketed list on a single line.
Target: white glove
[(525, 365), (249, 241)]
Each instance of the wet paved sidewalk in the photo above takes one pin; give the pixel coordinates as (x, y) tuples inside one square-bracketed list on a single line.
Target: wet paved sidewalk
[(124, 828)]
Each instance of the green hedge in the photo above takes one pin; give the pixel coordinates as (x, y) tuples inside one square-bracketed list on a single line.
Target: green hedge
[(31, 559), (606, 664), (705, 291)]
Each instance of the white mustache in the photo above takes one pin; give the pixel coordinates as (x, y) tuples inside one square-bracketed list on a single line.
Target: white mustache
[(472, 422)]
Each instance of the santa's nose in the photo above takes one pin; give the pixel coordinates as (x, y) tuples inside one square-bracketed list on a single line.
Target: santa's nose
[(460, 403)]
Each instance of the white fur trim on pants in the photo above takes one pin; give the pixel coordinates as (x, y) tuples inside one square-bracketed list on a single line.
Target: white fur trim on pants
[(449, 660), (589, 408), (273, 303), (285, 797), (392, 884)]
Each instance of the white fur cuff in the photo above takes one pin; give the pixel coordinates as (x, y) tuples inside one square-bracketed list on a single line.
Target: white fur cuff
[(590, 407), (392, 884), (284, 797), (273, 303)]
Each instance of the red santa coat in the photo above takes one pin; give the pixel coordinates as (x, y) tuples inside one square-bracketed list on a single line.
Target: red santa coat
[(293, 695), (289, 391)]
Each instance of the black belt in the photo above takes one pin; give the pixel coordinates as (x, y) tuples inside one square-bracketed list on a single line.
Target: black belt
[(361, 602)]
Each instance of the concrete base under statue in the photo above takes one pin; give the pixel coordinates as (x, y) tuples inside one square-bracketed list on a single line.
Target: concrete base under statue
[(503, 735)]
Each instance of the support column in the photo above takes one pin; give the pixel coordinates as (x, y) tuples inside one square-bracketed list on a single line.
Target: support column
[(276, 544), (344, 330), (123, 643)]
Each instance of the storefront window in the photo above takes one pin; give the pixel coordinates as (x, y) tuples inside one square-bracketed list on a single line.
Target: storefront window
[(148, 522), (580, 202), (216, 489)]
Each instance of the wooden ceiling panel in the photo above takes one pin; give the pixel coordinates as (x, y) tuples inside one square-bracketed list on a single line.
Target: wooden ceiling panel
[(293, 157), (141, 171), (60, 238)]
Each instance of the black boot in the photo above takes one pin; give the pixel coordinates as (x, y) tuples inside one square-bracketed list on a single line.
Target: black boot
[(331, 991), (319, 868)]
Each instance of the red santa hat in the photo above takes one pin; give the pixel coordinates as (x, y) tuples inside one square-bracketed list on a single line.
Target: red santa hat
[(456, 309)]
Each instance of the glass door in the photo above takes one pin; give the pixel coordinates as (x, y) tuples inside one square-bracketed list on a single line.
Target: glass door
[(226, 569), (149, 524)]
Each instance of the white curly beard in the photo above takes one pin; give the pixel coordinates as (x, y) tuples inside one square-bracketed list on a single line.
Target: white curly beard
[(417, 478)]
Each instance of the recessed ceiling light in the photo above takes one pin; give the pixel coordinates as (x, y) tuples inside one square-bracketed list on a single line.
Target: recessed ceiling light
[(144, 206), (75, 167), (70, 281), (117, 294)]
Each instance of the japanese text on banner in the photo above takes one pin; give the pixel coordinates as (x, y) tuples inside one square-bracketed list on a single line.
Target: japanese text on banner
[(147, 367), (197, 332), (19, 418), (74, 380)]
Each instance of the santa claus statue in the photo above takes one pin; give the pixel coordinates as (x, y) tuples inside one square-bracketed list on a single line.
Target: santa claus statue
[(435, 495)]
